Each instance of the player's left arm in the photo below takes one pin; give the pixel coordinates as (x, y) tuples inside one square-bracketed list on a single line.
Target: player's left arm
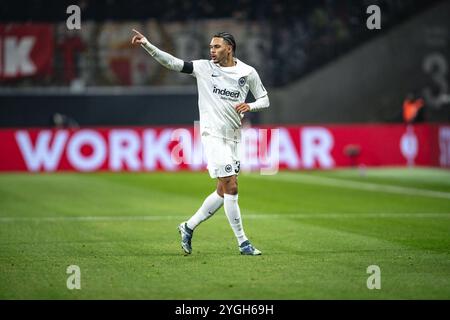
[(164, 58), (258, 91)]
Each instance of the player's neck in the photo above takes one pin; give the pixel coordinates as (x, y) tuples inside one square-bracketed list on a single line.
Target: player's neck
[(230, 62)]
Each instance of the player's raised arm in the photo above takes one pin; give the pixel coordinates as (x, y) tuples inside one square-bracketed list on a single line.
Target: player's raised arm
[(164, 58)]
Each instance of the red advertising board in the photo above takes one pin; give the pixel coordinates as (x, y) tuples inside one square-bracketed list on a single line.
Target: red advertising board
[(172, 149), (25, 50)]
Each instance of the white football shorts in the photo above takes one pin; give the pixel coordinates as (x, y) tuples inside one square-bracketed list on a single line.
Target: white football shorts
[(222, 156)]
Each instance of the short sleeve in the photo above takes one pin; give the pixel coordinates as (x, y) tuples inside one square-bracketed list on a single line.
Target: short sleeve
[(200, 67), (256, 86)]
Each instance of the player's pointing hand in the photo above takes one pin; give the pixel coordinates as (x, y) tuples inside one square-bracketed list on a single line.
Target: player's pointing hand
[(138, 38)]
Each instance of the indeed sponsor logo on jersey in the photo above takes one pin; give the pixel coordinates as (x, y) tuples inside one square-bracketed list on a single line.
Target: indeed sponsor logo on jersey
[(226, 92)]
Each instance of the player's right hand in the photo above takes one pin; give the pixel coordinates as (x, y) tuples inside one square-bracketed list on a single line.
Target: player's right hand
[(138, 38)]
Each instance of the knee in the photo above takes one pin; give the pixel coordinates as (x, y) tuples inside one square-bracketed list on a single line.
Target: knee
[(232, 190), (220, 189), (231, 187)]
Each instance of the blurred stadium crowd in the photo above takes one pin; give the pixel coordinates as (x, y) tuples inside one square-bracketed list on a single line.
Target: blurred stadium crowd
[(285, 40)]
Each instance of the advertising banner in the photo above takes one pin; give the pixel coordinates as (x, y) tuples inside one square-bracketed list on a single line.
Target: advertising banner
[(272, 148)]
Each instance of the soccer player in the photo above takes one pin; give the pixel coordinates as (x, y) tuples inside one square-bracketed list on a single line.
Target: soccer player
[(223, 83)]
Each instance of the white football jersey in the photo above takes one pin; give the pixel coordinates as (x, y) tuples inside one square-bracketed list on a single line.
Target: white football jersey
[(220, 89)]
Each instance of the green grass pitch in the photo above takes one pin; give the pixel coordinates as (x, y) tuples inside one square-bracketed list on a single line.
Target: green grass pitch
[(318, 231)]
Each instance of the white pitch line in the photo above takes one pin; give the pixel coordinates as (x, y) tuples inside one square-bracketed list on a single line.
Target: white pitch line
[(89, 218), (350, 184), (244, 216)]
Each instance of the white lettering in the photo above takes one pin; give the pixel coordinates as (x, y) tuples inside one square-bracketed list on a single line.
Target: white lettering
[(74, 20), (74, 280), (374, 281), (286, 150), (17, 56), (249, 149), (182, 151), (86, 162), (42, 155), (157, 148), (444, 146), (373, 21), (269, 163), (316, 145), (124, 148)]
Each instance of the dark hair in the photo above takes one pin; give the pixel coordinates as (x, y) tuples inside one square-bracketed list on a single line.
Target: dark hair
[(228, 37)]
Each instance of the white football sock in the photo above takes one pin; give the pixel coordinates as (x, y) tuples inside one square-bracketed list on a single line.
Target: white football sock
[(211, 204), (231, 206)]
